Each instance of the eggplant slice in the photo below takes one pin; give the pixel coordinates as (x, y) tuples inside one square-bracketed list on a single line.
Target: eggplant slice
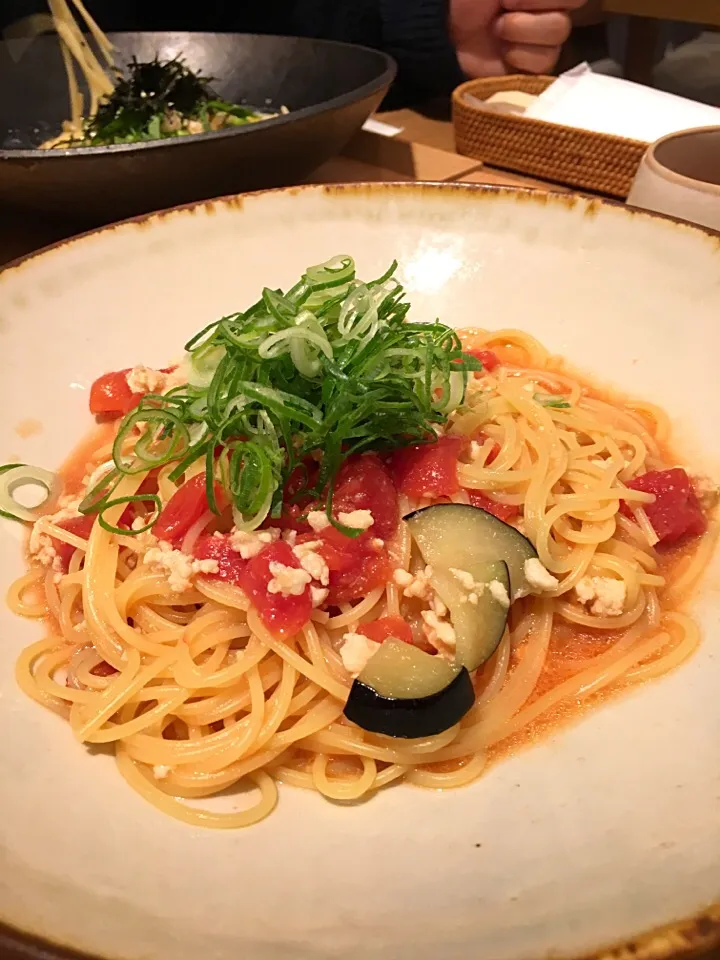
[(479, 612), (462, 536), (405, 692), (478, 568)]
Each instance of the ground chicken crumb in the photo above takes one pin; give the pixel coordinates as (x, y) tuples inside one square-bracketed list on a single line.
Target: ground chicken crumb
[(356, 651), (318, 520), (604, 596), (414, 585), (357, 519), (438, 632), (499, 592), (538, 577), (288, 581), (146, 380), (249, 543), (179, 567), (312, 562)]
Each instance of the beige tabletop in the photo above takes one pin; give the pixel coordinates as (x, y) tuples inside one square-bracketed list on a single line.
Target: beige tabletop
[(424, 149)]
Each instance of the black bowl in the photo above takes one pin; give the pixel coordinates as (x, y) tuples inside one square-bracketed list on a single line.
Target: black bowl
[(329, 88)]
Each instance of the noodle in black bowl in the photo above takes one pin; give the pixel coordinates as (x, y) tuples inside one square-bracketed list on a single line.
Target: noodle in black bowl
[(329, 89), (541, 573)]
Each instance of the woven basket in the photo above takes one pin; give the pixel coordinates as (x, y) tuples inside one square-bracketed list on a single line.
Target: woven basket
[(578, 158)]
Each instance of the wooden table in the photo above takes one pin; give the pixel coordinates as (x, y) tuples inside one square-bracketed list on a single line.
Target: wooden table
[(423, 150)]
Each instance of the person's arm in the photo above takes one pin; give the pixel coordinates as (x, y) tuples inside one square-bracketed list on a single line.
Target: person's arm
[(414, 32), (493, 37), (440, 43), (417, 34)]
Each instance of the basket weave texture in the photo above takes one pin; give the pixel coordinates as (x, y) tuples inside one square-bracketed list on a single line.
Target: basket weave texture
[(579, 158)]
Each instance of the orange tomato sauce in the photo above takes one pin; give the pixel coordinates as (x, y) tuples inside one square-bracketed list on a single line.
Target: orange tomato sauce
[(84, 456), (573, 647)]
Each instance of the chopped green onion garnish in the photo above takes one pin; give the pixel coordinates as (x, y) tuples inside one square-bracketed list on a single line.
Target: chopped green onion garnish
[(136, 498), (16, 475), (96, 499), (330, 364)]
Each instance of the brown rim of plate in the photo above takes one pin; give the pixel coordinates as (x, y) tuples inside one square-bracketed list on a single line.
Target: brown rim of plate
[(697, 936), (529, 194)]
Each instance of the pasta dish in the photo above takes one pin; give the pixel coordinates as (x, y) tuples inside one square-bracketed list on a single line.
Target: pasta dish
[(337, 548), (156, 100)]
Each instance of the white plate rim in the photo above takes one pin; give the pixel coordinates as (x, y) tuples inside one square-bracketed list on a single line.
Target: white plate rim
[(696, 936)]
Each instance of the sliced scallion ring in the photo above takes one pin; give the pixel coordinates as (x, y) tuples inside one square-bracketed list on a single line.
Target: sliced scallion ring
[(165, 438), (204, 363), (253, 522), (98, 493), (16, 475), (453, 393), (134, 498)]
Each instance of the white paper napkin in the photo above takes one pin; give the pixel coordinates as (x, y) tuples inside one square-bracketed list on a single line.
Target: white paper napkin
[(373, 125), (591, 101)]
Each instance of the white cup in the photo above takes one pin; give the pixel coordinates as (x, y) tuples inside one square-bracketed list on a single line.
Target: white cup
[(680, 176)]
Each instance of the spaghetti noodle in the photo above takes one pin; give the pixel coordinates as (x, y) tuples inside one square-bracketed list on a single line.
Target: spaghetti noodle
[(78, 54), (179, 672)]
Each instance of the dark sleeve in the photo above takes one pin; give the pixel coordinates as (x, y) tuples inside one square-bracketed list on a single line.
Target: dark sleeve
[(417, 34), (414, 32)]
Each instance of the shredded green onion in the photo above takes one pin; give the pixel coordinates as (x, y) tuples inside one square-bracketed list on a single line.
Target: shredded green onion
[(96, 499), (135, 498), (330, 365)]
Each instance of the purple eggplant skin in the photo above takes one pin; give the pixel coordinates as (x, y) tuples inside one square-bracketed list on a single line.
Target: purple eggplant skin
[(413, 717)]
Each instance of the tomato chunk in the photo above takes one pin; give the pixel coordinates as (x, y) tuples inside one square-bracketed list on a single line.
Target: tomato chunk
[(282, 615), (503, 511), (487, 358), (304, 475), (338, 551), (676, 512), (385, 627), (231, 566), (364, 483), (111, 396), (183, 509), (81, 527), (428, 469), (369, 571), (294, 507), (356, 566)]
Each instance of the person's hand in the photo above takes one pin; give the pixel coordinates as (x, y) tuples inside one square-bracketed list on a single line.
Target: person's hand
[(493, 37)]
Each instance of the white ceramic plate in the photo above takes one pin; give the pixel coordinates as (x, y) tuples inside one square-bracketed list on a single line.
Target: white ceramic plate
[(601, 832)]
